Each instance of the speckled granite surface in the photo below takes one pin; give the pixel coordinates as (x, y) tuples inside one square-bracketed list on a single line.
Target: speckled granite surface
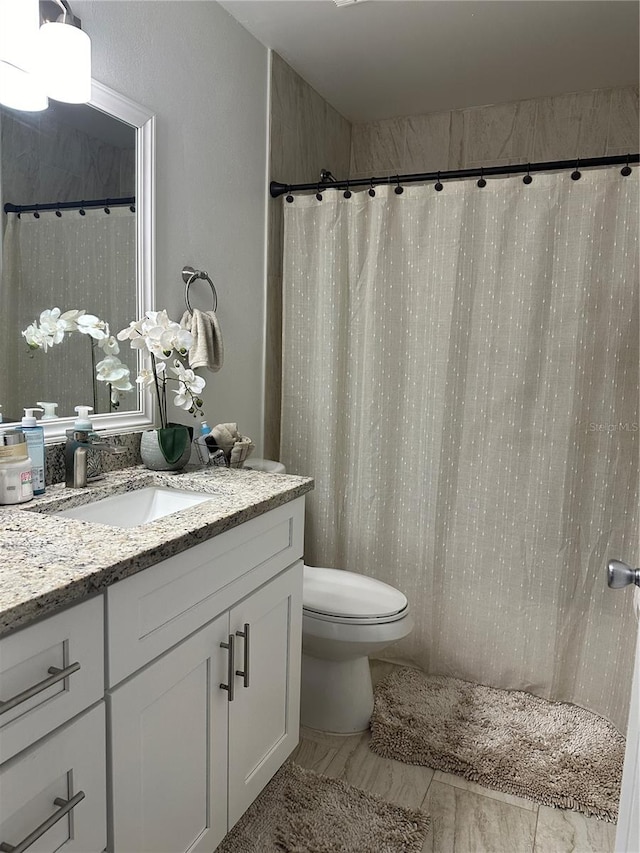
[(47, 562)]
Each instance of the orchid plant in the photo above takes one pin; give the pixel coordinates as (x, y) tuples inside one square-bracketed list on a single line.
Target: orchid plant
[(165, 339), (51, 329)]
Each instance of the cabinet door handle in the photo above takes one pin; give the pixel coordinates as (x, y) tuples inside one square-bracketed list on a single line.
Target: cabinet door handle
[(245, 672), (56, 675), (65, 808), (231, 665)]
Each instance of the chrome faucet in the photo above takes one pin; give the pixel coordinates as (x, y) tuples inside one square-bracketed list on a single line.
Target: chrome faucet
[(79, 442)]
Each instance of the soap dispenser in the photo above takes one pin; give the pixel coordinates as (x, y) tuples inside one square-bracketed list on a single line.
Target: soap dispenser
[(49, 411), (34, 435), (75, 450)]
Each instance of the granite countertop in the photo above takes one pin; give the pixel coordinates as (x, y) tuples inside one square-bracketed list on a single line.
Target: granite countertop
[(49, 562)]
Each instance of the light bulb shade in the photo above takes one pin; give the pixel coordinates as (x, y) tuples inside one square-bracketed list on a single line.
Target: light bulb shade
[(20, 90), (19, 23), (64, 62)]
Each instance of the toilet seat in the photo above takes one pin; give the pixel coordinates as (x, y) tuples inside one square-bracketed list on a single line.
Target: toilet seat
[(333, 595)]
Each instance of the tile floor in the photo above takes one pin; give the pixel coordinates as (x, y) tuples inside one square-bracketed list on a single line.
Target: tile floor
[(466, 818)]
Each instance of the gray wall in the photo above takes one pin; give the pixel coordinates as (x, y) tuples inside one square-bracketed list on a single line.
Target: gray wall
[(206, 79)]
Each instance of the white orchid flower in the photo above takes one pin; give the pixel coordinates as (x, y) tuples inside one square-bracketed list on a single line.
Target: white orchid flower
[(187, 377), (147, 377), (109, 345), (132, 332), (70, 319), (34, 336), (182, 399), (89, 324), (52, 326), (112, 370)]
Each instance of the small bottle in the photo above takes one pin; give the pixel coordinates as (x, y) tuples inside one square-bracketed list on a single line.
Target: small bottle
[(49, 411), (34, 435), (205, 429), (15, 468)]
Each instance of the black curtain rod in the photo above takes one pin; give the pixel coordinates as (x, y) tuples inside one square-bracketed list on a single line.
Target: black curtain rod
[(277, 189), (70, 205)]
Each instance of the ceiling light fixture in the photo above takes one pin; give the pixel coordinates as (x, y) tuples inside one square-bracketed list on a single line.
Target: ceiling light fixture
[(35, 61), (347, 2), (20, 89), (64, 57)]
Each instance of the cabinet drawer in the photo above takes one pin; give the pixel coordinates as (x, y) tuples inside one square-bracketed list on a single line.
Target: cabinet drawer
[(157, 608), (71, 643), (60, 768)]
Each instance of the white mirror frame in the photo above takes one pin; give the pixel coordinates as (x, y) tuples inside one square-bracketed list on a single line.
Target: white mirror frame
[(111, 102)]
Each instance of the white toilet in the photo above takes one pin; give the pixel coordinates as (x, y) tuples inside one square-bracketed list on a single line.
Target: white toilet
[(346, 617)]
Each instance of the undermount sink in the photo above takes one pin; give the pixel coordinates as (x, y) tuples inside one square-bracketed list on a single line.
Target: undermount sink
[(132, 509)]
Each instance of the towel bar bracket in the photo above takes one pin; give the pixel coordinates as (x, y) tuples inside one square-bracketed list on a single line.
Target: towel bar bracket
[(189, 275)]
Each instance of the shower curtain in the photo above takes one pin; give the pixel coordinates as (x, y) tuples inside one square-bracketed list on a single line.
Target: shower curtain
[(461, 378), (68, 261)]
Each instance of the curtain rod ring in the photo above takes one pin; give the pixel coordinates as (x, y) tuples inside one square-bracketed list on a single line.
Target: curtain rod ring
[(626, 170), (372, 192), (318, 193), (289, 197), (527, 178), (438, 184), (347, 193), (576, 174), (481, 182), (398, 190)]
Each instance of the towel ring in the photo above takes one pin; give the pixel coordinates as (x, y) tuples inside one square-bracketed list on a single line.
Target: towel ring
[(189, 275)]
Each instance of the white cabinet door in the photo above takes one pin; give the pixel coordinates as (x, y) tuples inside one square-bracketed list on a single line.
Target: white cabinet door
[(264, 716), (56, 790), (169, 750)]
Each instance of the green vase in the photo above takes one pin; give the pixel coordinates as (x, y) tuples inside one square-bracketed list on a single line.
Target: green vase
[(166, 449)]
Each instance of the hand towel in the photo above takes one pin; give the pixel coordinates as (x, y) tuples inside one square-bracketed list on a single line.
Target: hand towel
[(207, 349), (236, 447)]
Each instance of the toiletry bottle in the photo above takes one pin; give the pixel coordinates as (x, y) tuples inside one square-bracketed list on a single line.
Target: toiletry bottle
[(205, 429), (15, 468), (49, 411), (34, 435)]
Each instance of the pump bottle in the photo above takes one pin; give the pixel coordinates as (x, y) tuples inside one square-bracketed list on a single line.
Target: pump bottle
[(34, 435)]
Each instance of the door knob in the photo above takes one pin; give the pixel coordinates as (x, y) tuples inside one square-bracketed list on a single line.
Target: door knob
[(619, 574)]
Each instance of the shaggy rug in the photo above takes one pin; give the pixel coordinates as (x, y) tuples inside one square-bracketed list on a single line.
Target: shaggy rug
[(549, 752), (302, 812)]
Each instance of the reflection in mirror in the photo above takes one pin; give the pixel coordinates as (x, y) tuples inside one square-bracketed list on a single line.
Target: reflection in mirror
[(88, 246)]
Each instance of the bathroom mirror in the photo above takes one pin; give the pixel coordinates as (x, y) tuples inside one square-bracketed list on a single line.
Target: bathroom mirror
[(80, 254)]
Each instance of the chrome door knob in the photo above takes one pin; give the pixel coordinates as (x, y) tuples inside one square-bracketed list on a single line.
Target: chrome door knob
[(619, 574)]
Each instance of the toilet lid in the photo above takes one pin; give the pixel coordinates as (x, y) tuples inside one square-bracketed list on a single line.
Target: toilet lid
[(335, 592)]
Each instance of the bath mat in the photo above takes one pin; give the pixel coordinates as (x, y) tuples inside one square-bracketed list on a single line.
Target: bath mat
[(549, 752), (302, 812)]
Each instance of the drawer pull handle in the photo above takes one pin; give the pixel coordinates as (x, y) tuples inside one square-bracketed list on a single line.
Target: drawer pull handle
[(230, 666), (65, 808), (245, 672), (56, 676)]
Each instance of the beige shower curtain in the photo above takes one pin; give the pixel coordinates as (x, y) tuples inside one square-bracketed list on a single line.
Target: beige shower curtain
[(67, 261), (461, 378)]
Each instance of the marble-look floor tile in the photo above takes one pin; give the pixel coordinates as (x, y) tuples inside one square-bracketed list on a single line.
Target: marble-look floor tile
[(561, 831), (313, 755), (474, 788), (394, 781), (464, 822)]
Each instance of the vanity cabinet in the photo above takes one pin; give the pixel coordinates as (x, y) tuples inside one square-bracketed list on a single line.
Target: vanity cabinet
[(56, 790), (148, 718), (204, 684), (199, 732)]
